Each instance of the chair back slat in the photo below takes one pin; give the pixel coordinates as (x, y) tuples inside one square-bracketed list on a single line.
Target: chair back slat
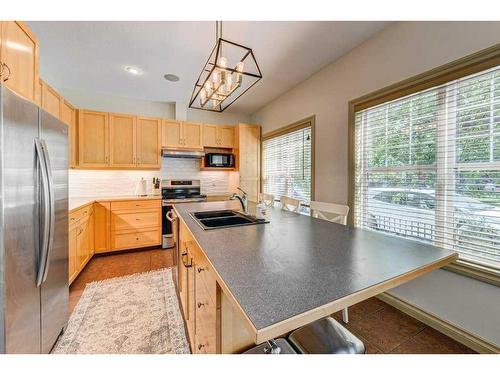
[(289, 204), (336, 213), (268, 199)]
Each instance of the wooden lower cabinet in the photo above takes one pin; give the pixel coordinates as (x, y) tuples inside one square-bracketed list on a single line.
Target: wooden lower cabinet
[(102, 230), (213, 323), (135, 224), (81, 240), (103, 226)]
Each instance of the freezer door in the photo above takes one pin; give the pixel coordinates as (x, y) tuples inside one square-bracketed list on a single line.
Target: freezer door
[(55, 287), (19, 252)]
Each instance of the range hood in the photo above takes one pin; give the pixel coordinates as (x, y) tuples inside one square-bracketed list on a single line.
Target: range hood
[(187, 154)]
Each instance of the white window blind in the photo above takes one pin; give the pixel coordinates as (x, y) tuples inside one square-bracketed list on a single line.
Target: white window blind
[(287, 165), (427, 167)]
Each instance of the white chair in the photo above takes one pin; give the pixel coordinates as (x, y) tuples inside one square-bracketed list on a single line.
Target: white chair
[(289, 204), (336, 213), (268, 199)]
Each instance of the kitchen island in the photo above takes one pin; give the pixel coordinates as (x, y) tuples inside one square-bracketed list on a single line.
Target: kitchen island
[(243, 285)]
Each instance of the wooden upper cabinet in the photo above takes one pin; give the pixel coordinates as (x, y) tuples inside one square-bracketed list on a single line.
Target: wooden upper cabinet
[(182, 134), (148, 142), (218, 136), (69, 116), (51, 100), (192, 135), (122, 135), (249, 159), (19, 52), (226, 136), (93, 139), (171, 134), (210, 135)]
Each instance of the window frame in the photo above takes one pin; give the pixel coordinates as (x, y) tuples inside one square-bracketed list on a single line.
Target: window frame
[(468, 65), (301, 124)]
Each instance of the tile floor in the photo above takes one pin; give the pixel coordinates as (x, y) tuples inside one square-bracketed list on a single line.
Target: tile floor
[(381, 327)]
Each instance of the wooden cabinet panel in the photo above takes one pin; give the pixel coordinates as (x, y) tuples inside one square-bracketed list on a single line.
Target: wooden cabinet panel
[(132, 240), (72, 253), (93, 139), (51, 100), (249, 159), (122, 135), (19, 51), (68, 116), (226, 136), (171, 134), (148, 142), (102, 230), (130, 220), (136, 204), (192, 135), (210, 136), (191, 300)]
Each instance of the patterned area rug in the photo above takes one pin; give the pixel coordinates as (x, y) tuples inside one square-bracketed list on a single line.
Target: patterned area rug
[(127, 315)]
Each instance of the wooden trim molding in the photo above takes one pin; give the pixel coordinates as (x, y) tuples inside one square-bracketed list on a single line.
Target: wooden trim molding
[(475, 271), (301, 124), (471, 64), (464, 337)]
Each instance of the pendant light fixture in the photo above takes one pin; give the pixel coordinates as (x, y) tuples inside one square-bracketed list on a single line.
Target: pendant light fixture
[(230, 71)]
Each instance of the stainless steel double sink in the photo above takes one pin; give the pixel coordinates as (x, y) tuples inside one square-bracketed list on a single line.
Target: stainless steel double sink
[(224, 219)]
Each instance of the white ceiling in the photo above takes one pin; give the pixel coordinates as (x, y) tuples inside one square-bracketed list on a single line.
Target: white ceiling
[(91, 56)]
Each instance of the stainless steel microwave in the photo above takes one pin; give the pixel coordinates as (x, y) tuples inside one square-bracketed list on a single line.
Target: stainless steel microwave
[(217, 160)]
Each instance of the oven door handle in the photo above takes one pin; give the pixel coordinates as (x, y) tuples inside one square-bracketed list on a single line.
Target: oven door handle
[(171, 216)]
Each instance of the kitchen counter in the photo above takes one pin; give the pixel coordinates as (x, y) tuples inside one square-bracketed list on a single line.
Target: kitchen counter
[(297, 269), (75, 203)]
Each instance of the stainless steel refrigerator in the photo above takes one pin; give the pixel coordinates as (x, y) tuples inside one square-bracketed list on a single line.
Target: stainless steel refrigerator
[(33, 226)]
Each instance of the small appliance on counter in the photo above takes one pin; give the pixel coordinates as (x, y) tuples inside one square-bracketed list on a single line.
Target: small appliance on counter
[(156, 186), (141, 188), (219, 160)]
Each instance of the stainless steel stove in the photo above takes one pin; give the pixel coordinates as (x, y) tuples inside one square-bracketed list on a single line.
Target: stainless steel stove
[(175, 192)]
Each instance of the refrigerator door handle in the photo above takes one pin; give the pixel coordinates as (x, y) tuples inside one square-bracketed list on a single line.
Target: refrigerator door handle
[(48, 219), (52, 204)]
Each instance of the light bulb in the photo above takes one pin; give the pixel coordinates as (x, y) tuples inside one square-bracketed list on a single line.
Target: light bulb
[(239, 69), (216, 77), (223, 62), (203, 95), (229, 82)]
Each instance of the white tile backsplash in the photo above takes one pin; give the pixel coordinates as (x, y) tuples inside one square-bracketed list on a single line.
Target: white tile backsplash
[(104, 183)]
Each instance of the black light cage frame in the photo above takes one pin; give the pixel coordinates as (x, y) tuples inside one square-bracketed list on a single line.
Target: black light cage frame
[(199, 85)]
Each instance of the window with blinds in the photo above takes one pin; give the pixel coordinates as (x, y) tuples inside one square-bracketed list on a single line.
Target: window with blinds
[(427, 167), (286, 168)]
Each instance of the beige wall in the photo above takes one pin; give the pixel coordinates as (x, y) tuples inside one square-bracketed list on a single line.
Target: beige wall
[(396, 53), (400, 51), (111, 103)]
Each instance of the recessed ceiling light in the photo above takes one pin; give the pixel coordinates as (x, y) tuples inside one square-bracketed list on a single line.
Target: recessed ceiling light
[(171, 77), (133, 70)]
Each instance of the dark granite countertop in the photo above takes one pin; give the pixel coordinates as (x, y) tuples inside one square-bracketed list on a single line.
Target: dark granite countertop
[(296, 263)]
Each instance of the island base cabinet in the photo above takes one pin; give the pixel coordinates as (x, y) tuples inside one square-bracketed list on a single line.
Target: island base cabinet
[(214, 325)]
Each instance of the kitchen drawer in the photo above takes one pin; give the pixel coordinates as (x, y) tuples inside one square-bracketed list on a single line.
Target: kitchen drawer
[(206, 341), (206, 320), (204, 271), (136, 205), (129, 220), (134, 239), (81, 213)]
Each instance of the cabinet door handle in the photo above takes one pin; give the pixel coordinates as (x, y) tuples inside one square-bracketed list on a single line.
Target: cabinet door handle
[(200, 269), (200, 304), (200, 346), (8, 75)]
